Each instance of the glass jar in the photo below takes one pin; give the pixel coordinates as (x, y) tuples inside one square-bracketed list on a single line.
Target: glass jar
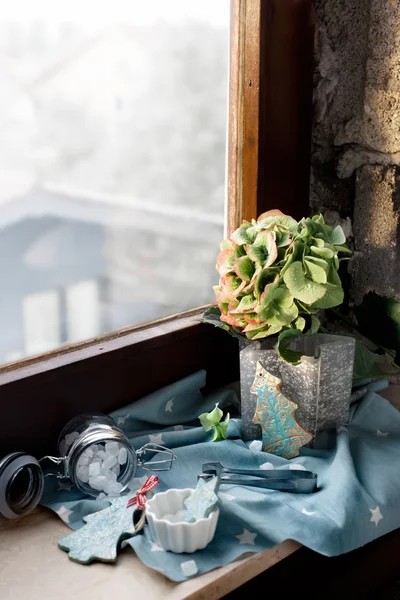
[(21, 484), (97, 457), (82, 440)]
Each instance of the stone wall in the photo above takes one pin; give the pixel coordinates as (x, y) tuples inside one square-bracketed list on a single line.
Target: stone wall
[(356, 134)]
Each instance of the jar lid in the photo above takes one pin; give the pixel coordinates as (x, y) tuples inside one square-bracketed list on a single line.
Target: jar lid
[(21, 484)]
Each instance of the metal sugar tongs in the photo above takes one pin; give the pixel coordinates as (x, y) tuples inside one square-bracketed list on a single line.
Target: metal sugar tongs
[(294, 481)]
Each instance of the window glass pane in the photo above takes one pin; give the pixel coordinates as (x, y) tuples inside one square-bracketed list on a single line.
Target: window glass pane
[(83, 310), (41, 321), (112, 163)]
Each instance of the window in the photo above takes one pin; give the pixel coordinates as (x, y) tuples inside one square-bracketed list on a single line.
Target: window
[(112, 164), (65, 315), (83, 310), (271, 67), (41, 318)]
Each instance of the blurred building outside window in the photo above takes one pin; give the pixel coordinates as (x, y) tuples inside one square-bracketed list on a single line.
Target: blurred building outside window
[(112, 165)]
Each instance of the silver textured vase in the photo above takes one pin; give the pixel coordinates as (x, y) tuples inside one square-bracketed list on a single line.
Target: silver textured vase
[(320, 385)]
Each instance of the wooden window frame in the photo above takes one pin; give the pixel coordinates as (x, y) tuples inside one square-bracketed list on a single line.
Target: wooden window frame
[(269, 143)]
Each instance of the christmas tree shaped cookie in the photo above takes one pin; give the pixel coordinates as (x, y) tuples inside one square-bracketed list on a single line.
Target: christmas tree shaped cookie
[(281, 433)]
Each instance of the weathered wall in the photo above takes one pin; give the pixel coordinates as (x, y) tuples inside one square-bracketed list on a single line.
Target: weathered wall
[(356, 133)]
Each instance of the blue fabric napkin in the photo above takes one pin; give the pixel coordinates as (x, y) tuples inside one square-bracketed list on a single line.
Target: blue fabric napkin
[(358, 480)]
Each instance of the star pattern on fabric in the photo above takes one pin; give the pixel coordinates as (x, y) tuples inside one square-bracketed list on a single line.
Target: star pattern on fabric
[(376, 515), (267, 466), (297, 467), (169, 405), (65, 486), (156, 439), (64, 513), (155, 547), (121, 420), (381, 433), (306, 512), (247, 537)]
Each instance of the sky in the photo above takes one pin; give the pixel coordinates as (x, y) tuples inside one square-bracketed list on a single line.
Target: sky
[(94, 13)]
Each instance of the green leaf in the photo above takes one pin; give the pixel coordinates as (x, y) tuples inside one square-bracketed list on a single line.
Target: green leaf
[(282, 346), (265, 277), (319, 243), (274, 315), (225, 262), (282, 238), (245, 234), (379, 320), (322, 252), (212, 317), (212, 420), (300, 287), (275, 212), (252, 318), (247, 303), (226, 245), (263, 250), (268, 294), (244, 268), (209, 420), (205, 423), (337, 237), (315, 270), (293, 254), (277, 306), (300, 323), (336, 262), (263, 333), (365, 365), (333, 296), (278, 223), (275, 218), (239, 250), (321, 262), (232, 284), (282, 297), (221, 429), (306, 229), (315, 325), (254, 327), (306, 309), (343, 249), (215, 415)]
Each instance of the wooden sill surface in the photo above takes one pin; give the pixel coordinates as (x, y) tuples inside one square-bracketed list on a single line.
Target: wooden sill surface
[(32, 566)]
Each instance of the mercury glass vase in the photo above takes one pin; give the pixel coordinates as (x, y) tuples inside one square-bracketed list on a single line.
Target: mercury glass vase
[(320, 385)]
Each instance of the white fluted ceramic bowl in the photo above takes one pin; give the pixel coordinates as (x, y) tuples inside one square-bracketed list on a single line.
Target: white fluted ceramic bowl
[(181, 536)]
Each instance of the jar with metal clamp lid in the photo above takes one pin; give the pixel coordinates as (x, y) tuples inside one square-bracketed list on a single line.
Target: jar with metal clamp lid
[(97, 457)]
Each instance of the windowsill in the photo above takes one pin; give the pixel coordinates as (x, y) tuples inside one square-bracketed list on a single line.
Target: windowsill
[(34, 567)]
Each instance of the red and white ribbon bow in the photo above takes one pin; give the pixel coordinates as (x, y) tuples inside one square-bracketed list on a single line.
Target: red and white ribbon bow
[(140, 498)]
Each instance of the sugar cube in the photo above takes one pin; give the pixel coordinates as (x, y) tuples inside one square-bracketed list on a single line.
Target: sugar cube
[(112, 448), (94, 469), (122, 456)]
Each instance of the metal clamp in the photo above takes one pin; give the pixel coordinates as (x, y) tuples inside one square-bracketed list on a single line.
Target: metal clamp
[(58, 460), (155, 449)]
